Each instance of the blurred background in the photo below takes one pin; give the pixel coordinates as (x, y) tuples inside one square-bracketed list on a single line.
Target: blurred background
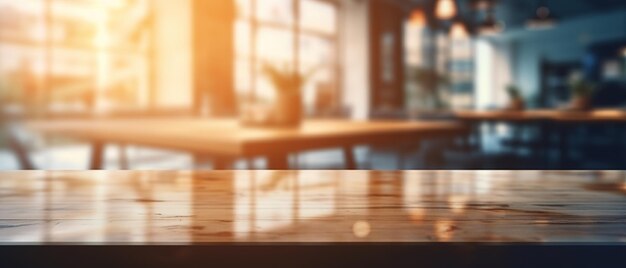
[(364, 60)]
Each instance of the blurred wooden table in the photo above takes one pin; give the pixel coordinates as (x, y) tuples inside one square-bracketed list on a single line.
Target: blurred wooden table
[(553, 115), (549, 122), (225, 139), (119, 207)]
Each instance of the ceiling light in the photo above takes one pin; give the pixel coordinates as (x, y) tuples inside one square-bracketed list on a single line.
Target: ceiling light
[(542, 19), (418, 19), (482, 4), (445, 9), (458, 31)]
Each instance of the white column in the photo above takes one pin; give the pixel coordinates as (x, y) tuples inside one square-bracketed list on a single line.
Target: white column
[(355, 57), (493, 73), (173, 53)]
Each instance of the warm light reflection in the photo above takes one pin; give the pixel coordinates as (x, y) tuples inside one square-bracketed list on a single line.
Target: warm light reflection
[(270, 200), (106, 207), (361, 229), (457, 203), (412, 195), (310, 188), (444, 230), (416, 214), (305, 206), (609, 113)]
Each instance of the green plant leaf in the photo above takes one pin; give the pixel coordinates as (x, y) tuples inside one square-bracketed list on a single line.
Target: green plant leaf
[(286, 80)]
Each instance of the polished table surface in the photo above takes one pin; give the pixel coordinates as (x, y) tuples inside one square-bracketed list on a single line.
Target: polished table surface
[(118, 207), (599, 115), (226, 137)]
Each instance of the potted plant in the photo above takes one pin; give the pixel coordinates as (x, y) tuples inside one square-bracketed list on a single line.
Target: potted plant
[(288, 84), (581, 95), (516, 102), (430, 82)]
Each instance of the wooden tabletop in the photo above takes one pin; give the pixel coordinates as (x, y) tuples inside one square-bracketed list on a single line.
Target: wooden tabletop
[(228, 137), (117, 207), (600, 115)]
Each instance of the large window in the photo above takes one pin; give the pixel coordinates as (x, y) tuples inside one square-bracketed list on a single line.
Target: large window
[(300, 33), (450, 56), (75, 56)]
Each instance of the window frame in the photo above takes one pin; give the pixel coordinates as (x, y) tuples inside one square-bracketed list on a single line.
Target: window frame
[(298, 32)]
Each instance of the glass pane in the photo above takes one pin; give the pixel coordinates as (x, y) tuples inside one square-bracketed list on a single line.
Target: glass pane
[(22, 21), (96, 60), (316, 50), (274, 45), (413, 45), (79, 25), (264, 89), (277, 11), (317, 57), (243, 8), (72, 83), (242, 38), (460, 73), (242, 76), (320, 90), (96, 24), (127, 33), (22, 65), (22, 70), (318, 16), (442, 45)]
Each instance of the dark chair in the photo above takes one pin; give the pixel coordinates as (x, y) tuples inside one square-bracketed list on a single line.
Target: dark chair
[(16, 145)]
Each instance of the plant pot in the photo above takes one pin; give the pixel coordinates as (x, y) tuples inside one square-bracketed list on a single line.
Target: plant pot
[(288, 110), (516, 105), (580, 104), (434, 102), (255, 114)]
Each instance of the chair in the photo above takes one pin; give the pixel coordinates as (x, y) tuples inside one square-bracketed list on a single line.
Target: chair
[(17, 145)]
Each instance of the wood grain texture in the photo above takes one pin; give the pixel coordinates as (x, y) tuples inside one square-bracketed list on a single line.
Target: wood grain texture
[(114, 207), (227, 137)]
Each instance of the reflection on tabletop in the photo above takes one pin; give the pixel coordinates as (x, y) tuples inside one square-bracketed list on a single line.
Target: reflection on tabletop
[(312, 206)]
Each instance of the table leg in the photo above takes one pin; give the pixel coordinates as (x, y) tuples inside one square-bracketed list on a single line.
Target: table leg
[(97, 155), (480, 133), (278, 162), (123, 163), (623, 149), (349, 159), (21, 153), (203, 161), (221, 163), (563, 146), (250, 163)]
